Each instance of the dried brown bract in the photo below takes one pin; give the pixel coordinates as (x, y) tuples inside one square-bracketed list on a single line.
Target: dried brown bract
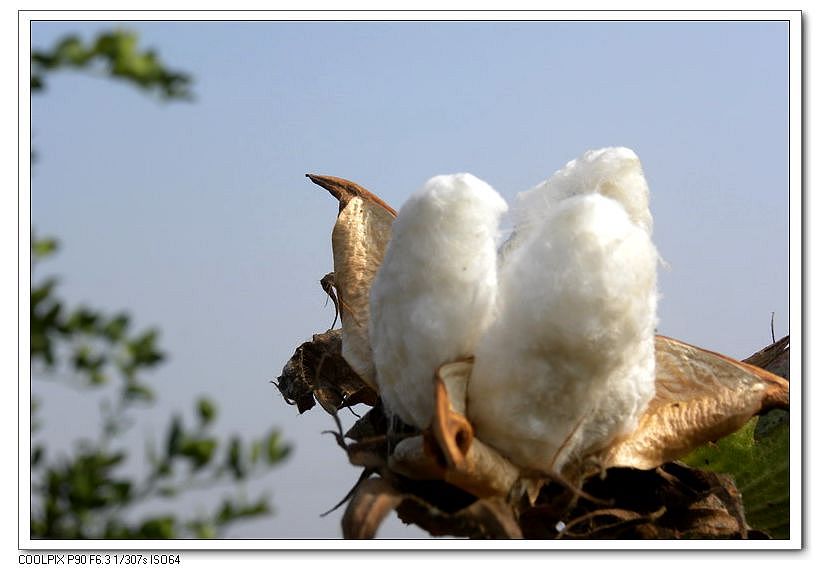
[(359, 240)]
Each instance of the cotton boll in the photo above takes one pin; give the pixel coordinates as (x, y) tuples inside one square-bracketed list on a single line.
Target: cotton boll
[(434, 291), (568, 364), (614, 172)]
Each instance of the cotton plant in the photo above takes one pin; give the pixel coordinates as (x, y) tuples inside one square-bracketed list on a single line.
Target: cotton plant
[(521, 376)]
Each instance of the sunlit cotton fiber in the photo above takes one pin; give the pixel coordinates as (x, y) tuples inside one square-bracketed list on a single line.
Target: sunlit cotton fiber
[(568, 363), (435, 289), (614, 172)]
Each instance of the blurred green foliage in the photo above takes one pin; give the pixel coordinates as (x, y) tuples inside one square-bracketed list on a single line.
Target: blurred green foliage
[(114, 54), (92, 490)]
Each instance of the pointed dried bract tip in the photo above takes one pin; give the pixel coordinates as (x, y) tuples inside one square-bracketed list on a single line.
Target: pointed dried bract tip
[(345, 190)]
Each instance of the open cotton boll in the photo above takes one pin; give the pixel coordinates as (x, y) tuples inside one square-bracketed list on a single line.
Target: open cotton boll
[(434, 291), (614, 172), (568, 363)]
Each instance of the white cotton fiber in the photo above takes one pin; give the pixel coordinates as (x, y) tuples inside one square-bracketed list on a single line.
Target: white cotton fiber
[(614, 172), (435, 289), (568, 363)]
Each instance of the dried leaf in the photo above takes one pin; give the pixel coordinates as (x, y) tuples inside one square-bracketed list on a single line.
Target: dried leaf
[(412, 458), (371, 503), (317, 372), (485, 518), (465, 461), (359, 239), (700, 397), (373, 424), (452, 432), (671, 502), (774, 358), (483, 473), (328, 284)]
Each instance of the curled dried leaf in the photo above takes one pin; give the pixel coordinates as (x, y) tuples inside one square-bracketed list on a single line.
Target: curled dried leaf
[(490, 518), (370, 504), (464, 460), (452, 432), (412, 458), (774, 358), (670, 502), (317, 372)]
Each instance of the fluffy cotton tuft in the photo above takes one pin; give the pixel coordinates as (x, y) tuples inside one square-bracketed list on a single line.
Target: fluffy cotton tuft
[(435, 289), (614, 172), (568, 364)]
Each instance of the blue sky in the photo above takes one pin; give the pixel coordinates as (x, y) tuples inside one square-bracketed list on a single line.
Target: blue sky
[(198, 219)]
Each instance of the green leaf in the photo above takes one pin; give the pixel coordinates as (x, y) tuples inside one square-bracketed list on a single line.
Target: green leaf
[(97, 378), (143, 350), (235, 458), (230, 512), (206, 410), (174, 437), (199, 451), (160, 527), (35, 405), (84, 360), (256, 451), (261, 507), (44, 247), (114, 330), (39, 294), (759, 464), (111, 460), (134, 391), (52, 316), (226, 512), (121, 491), (203, 529), (276, 450), (118, 52), (83, 320), (71, 51)]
